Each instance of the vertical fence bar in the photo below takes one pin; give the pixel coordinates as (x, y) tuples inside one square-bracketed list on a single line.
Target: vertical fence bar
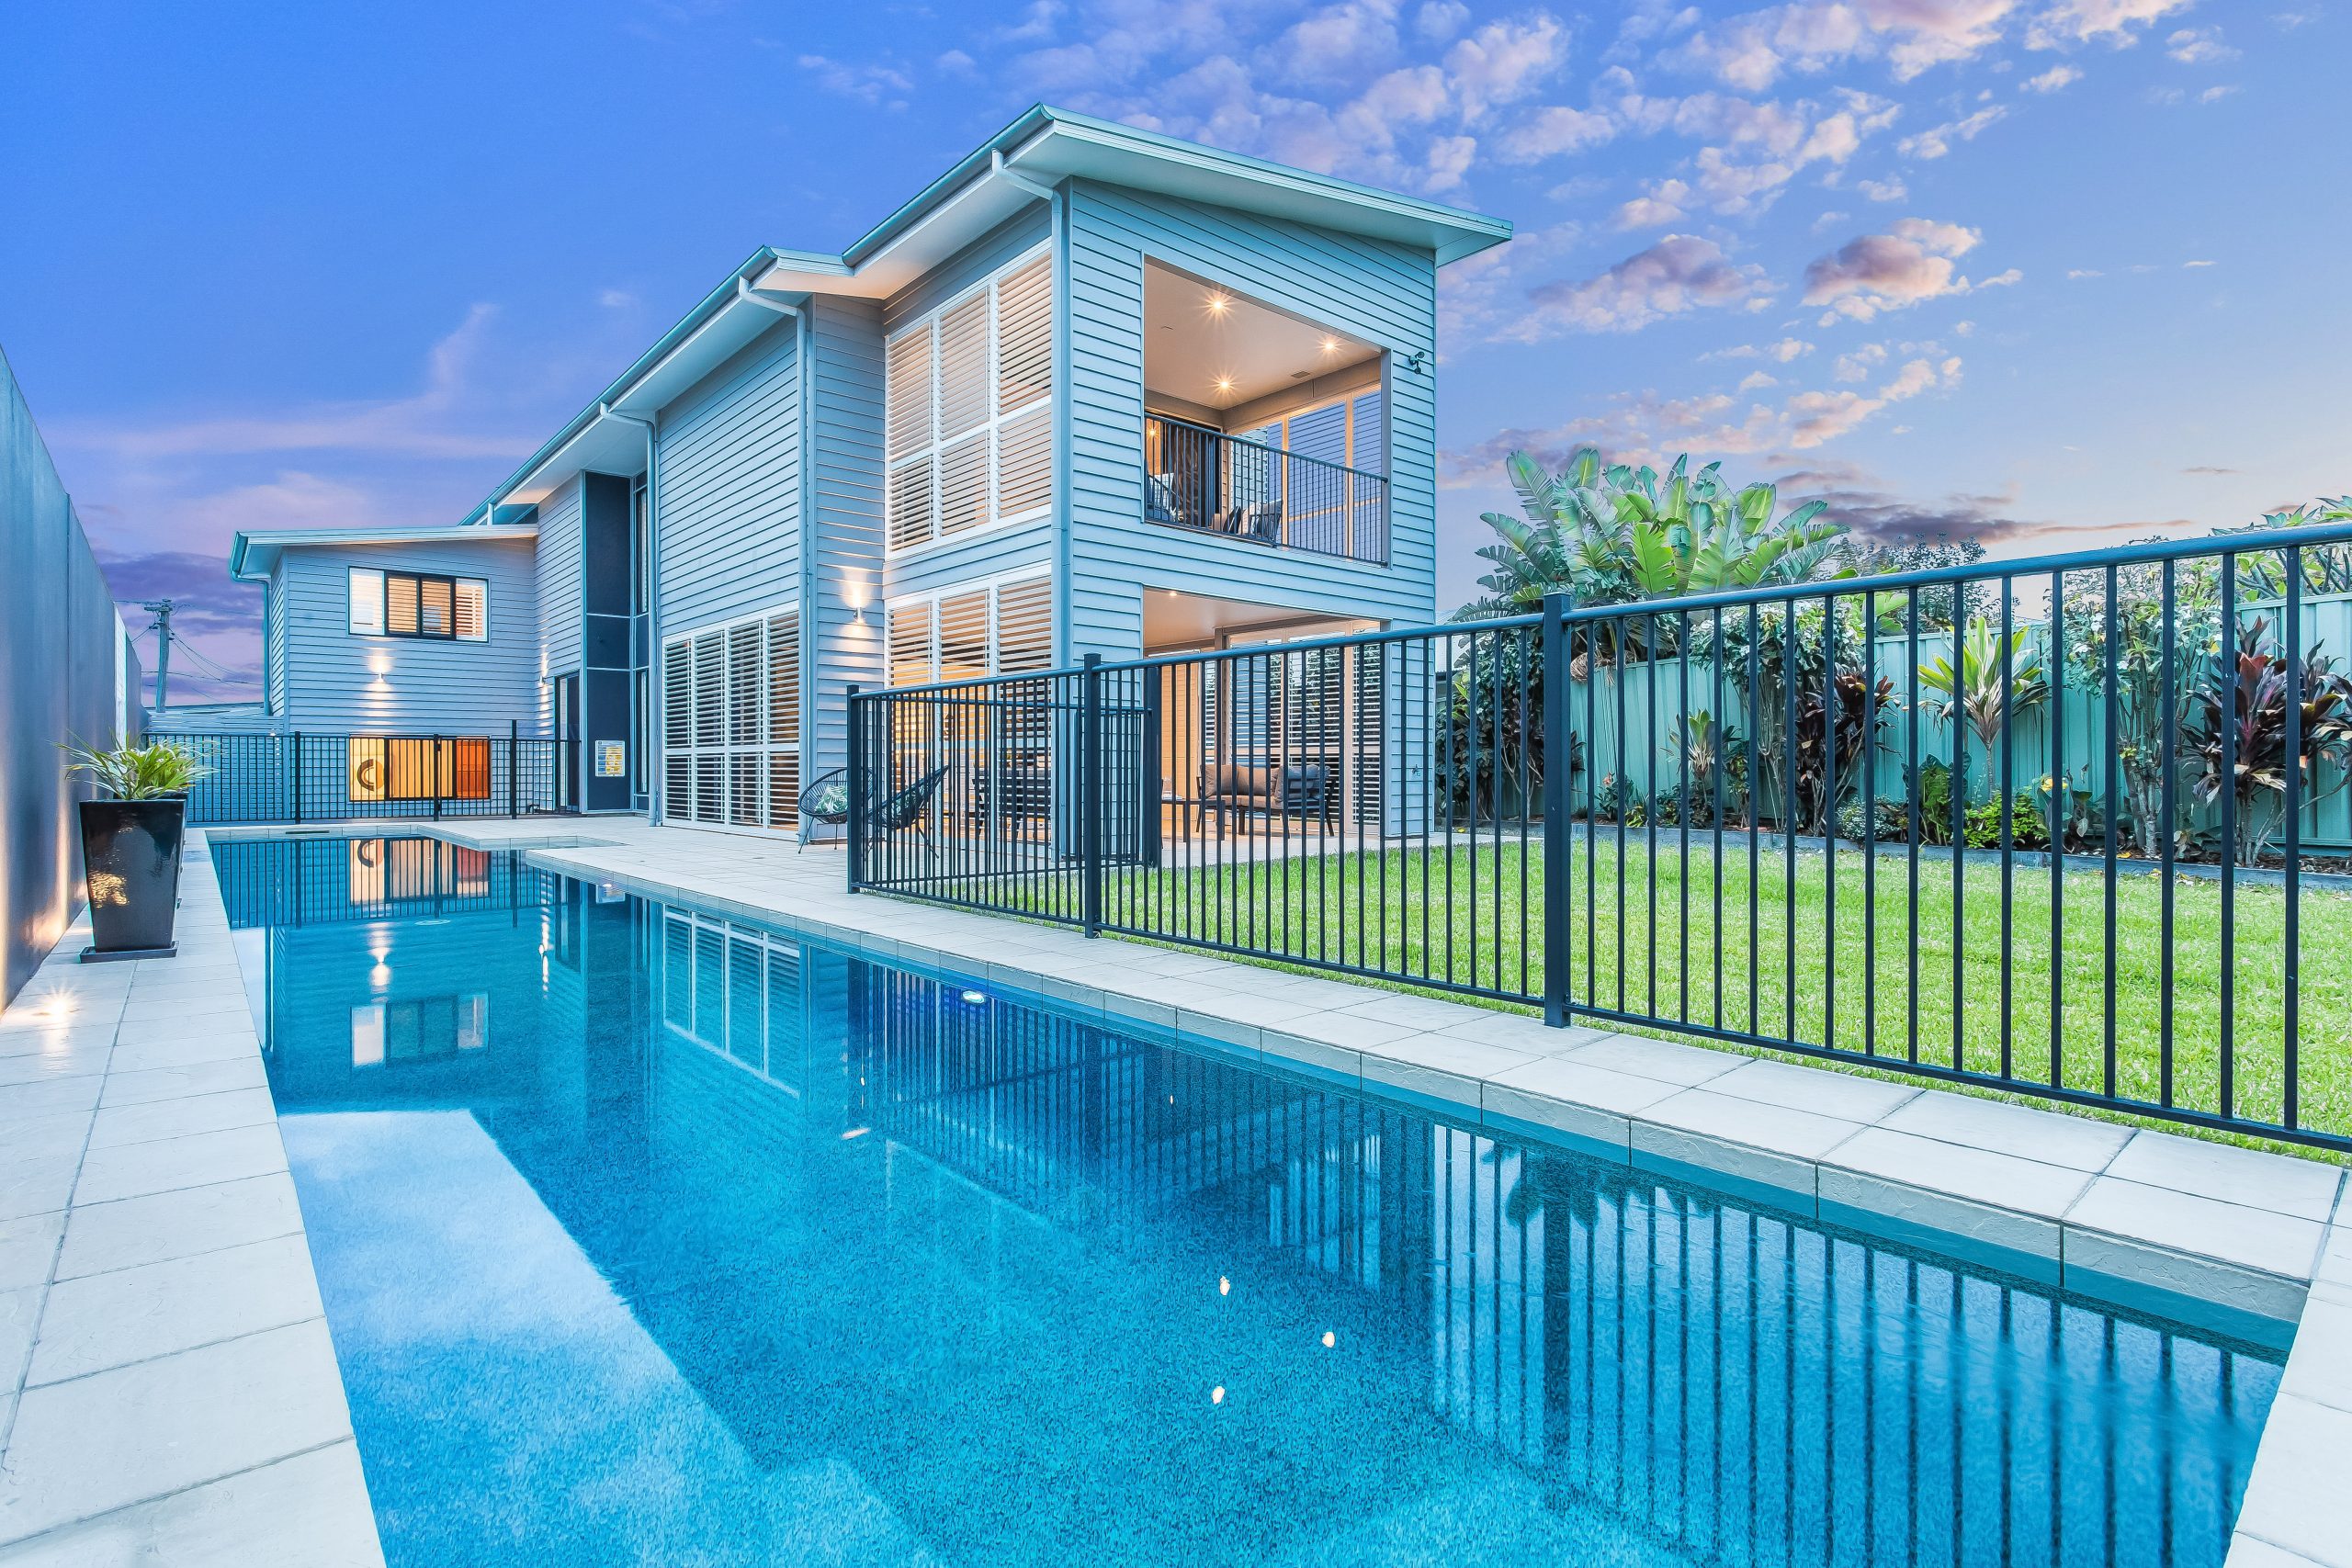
[(2114, 808), (298, 775), (2226, 688), (2003, 783), (1557, 850), (2292, 977), (437, 789), (855, 835), (514, 769), (1090, 787), (2166, 832), (2062, 800)]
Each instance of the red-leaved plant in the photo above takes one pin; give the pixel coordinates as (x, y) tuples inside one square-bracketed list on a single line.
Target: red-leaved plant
[(2246, 696)]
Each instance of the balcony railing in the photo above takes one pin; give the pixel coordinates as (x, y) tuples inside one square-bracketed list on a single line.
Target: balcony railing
[(1201, 479)]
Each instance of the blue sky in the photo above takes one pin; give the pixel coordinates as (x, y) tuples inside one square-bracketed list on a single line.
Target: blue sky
[(2055, 272)]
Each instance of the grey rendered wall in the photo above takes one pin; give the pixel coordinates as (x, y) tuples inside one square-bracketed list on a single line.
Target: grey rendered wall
[(57, 684), (338, 683)]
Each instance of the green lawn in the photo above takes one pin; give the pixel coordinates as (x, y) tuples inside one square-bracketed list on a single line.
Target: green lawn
[(1468, 921)]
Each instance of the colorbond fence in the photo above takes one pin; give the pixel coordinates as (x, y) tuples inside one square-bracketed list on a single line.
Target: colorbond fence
[(2152, 930)]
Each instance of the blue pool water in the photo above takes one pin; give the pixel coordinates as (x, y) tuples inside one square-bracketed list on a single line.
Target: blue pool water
[(648, 1238)]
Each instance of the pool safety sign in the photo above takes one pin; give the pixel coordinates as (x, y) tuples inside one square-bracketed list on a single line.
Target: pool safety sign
[(612, 759)]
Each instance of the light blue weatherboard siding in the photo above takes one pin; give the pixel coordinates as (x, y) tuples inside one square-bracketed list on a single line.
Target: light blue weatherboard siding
[(1007, 242), (730, 487), (1383, 293), (562, 547), (470, 688), (846, 497), (273, 641)]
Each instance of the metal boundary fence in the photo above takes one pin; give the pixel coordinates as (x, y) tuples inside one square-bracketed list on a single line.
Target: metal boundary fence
[(1817, 818), (253, 776)]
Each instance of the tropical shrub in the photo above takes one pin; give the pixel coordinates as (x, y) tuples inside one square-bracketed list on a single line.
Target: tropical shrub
[(1996, 680), (2130, 633), (2236, 732), (1618, 535)]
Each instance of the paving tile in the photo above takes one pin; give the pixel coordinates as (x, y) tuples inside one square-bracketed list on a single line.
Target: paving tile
[(1521, 1033), (173, 1083), (186, 1220), (150, 1057), (1242, 1007), (19, 1313), (1222, 1033), (98, 1321), (1811, 1088), (1439, 1070), (1414, 1012), (2202, 1227), (56, 1132), (197, 1160), (28, 1250), (1318, 1059), (310, 1511), (1661, 1059), (79, 1061), (116, 1126), (1591, 1103), (1983, 1176), (2048, 1136), (2247, 1551), (49, 1040), (2282, 1183), (2295, 1499), (1766, 1146), (40, 1185), (1351, 1030), (188, 1012), (135, 1433), (2319, 1366)]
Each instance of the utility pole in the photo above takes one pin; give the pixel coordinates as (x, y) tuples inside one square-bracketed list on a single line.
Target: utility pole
[(161, 610)]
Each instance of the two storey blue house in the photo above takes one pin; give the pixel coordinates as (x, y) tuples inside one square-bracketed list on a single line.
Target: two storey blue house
[(1093, 390)]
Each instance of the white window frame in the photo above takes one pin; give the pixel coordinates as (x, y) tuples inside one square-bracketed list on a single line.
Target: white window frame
[(993, 589), (990, 430), (722, 756)]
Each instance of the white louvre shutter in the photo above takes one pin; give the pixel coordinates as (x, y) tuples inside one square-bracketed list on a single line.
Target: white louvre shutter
[(964, 635), (964, 368), (784, 720), (911, 659), (1025, 332), (963, 484), (1024, 465), (1025, 626), (909, 368), (970, 437), (731, 723)]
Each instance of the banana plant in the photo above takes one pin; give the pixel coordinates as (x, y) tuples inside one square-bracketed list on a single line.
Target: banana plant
[(1617, 533), (1997, 679)]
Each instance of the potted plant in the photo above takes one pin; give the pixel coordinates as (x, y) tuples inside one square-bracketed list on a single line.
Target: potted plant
[(130, 846)]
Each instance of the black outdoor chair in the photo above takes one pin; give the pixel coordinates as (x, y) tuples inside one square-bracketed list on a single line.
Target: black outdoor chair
[(825, 801), (910, 807), (1263, 789)]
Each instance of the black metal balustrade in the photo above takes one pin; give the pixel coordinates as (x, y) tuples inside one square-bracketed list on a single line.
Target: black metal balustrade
[(1200, 478), (2076, 827), (302, 776)]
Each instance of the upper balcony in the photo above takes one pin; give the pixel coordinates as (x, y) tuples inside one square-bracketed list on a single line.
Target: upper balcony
[(1260, 425)]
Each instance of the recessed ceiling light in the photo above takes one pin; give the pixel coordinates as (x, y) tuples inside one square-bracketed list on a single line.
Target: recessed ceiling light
[(1330, 345), (1218, 304)]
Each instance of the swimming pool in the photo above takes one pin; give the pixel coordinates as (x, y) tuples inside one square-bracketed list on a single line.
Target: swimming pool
[(651, 1236)]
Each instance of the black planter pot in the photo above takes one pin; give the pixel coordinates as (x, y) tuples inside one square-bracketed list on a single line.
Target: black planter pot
[(131, 858)]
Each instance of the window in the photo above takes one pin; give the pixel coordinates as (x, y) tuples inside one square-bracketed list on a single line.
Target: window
[(989, 628), (410, 604), (970, 412), (454, 767), (730, 723)]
